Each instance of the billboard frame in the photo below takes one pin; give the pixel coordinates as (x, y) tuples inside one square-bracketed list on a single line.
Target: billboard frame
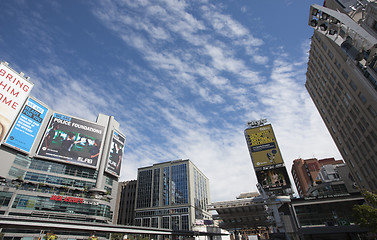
[(9, 134), (16, 90), (65, 120), (108, 156)]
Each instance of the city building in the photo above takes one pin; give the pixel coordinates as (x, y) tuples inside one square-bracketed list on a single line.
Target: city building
[(305, 172), (334, 180), (172, 195), (125, 208), (341, 80), (322, 218), (56, 166)]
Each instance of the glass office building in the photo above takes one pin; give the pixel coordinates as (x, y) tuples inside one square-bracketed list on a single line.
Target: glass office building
[(171, 195)]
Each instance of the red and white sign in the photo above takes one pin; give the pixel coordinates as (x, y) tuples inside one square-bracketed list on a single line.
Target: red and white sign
[(66, 199), (14, 89)]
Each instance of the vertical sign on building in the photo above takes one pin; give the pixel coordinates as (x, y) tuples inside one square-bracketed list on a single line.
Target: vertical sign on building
[(266, 157), (14, 89), (27, 126), (115, 156)]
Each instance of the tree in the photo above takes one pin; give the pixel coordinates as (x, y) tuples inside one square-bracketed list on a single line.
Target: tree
[(117, 236), (366, 214)]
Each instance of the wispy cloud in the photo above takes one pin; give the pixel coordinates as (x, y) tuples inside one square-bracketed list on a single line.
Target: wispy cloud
[(181, 77)]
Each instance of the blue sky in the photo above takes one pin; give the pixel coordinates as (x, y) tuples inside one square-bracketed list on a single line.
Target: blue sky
[(181, 77)]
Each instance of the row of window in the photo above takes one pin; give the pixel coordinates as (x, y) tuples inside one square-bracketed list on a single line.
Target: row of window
[(45, 204), (55, 167), (167, 222), (44, 178), (161, 212)]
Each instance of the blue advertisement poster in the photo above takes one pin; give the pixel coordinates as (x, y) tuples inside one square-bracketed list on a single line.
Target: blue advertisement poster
[(27, 126)]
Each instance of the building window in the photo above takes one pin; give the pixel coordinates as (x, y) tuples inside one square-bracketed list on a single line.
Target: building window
[(156, 187), (154, 222), (144, 189), (345, 74), (372, 111), (175, 222), (146, 222), (337, 63), (185, 222), (324, 46), (346, 102), (5, 198), (138, 222), (362, 98), (317, 37), (165, 190), (353, 85), (331, 55), (108, 181), (179, 187), (338, 91), (165, 222)]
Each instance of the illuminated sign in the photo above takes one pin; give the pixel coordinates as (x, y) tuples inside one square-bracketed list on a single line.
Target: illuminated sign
[(273, 178), (14, 89), (263, 148), (115, 156), (72, 140), (27, 126), (66, 199)]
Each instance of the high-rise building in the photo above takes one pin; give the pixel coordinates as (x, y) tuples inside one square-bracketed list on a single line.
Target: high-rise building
[(172, 195), (305, 172), (342, 81), (125, 208)]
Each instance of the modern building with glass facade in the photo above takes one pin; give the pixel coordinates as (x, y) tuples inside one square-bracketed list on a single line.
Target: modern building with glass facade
[(342, 81), (58, 167), (172, 195), (32, 186)]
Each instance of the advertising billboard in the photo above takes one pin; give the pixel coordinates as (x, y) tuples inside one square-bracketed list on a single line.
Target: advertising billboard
[(14, 89), (273, 178), (27, 126), (72, 140), (115, 156), (263, 147)]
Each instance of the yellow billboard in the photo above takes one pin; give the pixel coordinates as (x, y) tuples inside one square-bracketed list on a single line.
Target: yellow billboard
[(263, 148)]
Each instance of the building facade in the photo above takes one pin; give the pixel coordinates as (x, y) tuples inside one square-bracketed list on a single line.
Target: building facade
[(172, 195), (125, 207), (342, 81), (305, 172), (57, 166)]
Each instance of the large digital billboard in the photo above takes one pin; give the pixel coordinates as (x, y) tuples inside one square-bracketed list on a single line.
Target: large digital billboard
[(72, 140), (27, 126), (263, 147), (14, 89), (115, 156), (273, 178)]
